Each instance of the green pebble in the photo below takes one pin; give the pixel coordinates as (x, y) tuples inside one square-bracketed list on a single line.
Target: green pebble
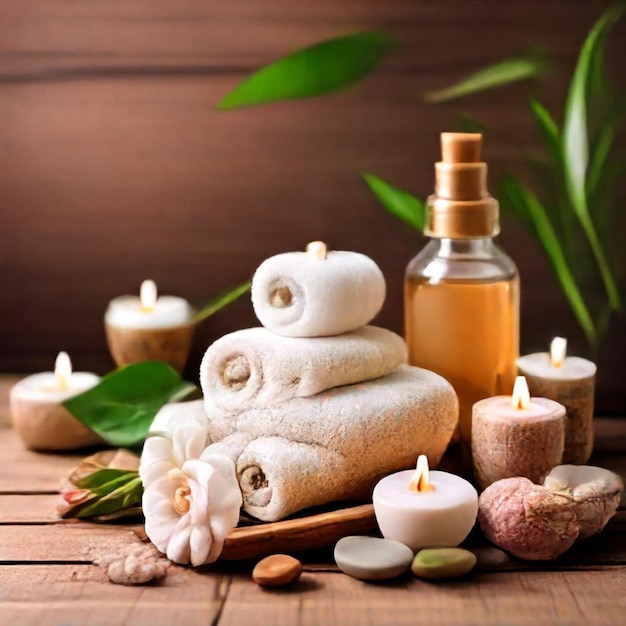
[(443, 562)]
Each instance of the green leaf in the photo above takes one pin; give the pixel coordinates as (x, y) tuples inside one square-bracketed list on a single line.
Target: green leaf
[(126, 496), (576, 144), (600, 147), (550, 243), (121, 407), (398, 202), (221, 300), (323, 68), (467, 124), (503, 73), (549, 131), (101, 477)]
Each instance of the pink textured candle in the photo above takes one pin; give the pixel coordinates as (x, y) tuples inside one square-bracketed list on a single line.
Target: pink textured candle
[(516, 436)]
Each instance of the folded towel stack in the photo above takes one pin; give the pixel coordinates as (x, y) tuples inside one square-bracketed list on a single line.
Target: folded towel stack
[(317, 406)]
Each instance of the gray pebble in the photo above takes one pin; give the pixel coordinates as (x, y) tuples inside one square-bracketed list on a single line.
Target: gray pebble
[(370, 558)]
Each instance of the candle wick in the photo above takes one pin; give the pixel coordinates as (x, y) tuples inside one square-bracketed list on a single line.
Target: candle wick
[(421, 478), (317, 250)]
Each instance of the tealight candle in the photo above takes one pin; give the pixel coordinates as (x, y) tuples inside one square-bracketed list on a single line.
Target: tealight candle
[(425, 509), (516, 436), (571, 381), (149, 327), (38, 415)]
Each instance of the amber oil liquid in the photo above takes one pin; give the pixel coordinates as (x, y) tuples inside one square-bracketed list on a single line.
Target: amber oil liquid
[(467, 331)]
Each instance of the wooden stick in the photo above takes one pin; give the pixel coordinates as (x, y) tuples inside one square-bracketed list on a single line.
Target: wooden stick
[(298, 534)]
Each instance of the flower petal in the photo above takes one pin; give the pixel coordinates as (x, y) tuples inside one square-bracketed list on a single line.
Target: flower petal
[(200, 543), (157, 459), (189, 440), (178, 549)]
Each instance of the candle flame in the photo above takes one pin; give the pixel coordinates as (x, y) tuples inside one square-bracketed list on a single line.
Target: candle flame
[(558, 351), (421, 479), (317, 250), (521, 394), (63, 370), (148, 296)]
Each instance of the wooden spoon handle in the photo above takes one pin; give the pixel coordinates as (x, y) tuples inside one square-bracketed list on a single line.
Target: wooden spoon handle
[(294, 535)]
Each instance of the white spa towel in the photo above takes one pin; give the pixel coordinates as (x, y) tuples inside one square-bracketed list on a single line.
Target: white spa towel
[(337, 444), (256, 368), (296, 295)]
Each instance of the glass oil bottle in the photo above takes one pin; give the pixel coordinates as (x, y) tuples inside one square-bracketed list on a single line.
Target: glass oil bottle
[(462, 291)]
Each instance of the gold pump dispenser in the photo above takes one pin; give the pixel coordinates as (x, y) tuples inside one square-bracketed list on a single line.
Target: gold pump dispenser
[(461, 207), (461, 296)]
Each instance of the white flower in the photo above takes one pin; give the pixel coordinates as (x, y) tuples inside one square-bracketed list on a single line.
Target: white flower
[(191, 499), (172, 415)]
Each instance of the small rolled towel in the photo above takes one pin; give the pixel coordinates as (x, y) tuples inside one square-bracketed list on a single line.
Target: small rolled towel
[(297, 295), (337, 444), (256, 368)]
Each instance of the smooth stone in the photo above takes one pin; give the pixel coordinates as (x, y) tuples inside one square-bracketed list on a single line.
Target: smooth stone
[(443, 562), (371, 558), (276, 570)]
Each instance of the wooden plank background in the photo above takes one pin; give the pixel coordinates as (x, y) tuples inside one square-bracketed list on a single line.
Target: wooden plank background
[(115, 166)]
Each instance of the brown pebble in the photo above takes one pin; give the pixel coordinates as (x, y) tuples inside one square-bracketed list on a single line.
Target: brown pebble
[(276, 570)]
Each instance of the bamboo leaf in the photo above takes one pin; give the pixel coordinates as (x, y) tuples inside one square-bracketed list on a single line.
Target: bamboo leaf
[(221, 300), (550, 243), (398, 202), (576, 144), (121, 407), (549, 131), (599, 156), (503, 73), (512, 201), (326, 67), (467, 124)]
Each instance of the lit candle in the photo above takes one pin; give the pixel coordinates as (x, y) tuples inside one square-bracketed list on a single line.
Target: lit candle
[(516, 436), (425, 509), (569, 380), (37, 414), (149, 327)]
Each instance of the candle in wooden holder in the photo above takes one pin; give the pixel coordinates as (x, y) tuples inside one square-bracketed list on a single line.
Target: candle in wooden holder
[(149, 327), (516, 436), (37, 410), (570, 381)]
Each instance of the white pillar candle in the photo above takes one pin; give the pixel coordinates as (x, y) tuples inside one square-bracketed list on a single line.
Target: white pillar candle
[(318, 292), (148, 310), (425, 509), (516, 436), (149, 327), (37, 414), (569, 380)]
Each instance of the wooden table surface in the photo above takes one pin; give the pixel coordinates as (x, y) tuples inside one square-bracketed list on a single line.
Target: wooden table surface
[(48, 575)]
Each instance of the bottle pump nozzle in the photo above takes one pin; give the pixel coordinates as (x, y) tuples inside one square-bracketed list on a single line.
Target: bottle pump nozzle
[(461, 206)]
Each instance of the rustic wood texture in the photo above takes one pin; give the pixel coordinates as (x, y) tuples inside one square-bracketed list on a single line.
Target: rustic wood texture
[(81, 594), (115, 166), (49, 576)]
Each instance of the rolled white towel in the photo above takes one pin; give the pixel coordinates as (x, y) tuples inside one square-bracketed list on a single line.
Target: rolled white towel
[(256, 368), (337, 444), (297, 294)]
